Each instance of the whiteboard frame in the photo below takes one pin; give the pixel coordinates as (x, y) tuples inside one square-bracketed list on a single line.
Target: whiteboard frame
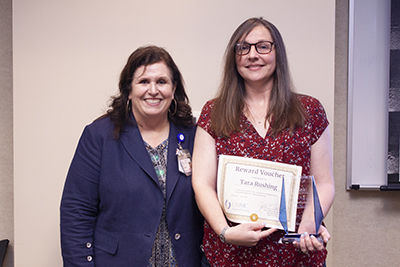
[(368, 92)]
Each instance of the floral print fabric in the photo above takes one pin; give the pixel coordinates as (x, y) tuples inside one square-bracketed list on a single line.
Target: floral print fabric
[(285, 147), (163, 253)]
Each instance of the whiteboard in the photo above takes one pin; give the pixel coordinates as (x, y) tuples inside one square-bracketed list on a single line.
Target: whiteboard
[(368, 91)]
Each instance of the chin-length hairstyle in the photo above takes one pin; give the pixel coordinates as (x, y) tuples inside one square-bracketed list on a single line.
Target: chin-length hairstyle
[(120, 110), (285, 110)]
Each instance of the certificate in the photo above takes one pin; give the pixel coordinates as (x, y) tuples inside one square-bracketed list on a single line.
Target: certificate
[(250, 190)]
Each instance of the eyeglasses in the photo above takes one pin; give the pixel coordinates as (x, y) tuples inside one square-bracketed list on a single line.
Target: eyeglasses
[(263, 47)]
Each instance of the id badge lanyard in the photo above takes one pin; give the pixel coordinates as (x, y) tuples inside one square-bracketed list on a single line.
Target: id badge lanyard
[(184, 157)]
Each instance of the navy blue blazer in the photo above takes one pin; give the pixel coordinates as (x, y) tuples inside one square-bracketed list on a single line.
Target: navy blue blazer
[(112, 202)]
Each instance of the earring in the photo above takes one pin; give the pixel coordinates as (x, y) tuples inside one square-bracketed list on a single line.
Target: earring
[(175, 109), (128, 106)]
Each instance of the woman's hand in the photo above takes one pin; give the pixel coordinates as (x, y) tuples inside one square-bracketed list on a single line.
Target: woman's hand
[(310, 243), (247, 234)]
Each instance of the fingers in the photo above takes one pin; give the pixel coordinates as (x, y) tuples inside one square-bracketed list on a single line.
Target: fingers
[(260, 227), (309, 243), (317, 245), (267, 232), (247, 234), (325, 234), (306, 243), (255, 226)]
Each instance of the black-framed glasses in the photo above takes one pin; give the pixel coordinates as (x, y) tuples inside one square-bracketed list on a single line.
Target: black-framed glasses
[(262, 47)]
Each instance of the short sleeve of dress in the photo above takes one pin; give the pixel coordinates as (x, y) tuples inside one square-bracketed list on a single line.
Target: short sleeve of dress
[(317, 121), (204, 120)]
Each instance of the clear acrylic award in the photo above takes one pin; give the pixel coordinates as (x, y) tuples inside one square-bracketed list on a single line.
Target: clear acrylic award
[(308, 210)]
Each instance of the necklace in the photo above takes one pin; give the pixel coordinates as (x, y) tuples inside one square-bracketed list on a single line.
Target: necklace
[(254, 117)]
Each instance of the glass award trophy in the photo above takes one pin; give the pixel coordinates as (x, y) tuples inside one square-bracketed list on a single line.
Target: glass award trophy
[(308, 210)]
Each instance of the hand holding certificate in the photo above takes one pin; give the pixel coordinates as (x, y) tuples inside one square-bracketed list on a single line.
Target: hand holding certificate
[(251, 190), (270, 192)]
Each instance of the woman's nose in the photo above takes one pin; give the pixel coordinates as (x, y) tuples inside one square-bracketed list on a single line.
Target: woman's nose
[(253, 52), (153, 88)]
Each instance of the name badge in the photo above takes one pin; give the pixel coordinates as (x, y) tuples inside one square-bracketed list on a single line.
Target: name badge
[(184, 157)]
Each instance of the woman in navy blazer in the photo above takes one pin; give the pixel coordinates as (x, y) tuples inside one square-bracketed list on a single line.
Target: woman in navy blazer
[(125, 201)]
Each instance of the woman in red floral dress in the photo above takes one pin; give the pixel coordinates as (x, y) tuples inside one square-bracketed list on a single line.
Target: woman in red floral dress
[(257, 114)]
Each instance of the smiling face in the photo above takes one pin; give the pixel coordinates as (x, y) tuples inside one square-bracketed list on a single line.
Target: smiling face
[(152, 92), (257, 69)]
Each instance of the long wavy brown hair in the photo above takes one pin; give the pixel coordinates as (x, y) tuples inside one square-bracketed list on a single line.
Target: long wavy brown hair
[(120, 111), (285, 110)]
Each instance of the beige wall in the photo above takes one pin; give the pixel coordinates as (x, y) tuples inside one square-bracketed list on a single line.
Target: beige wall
[(67, 57), (364, 222), (6, 130)]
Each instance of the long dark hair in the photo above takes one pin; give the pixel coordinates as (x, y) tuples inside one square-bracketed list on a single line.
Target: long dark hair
[(284, 106), (120, 110)]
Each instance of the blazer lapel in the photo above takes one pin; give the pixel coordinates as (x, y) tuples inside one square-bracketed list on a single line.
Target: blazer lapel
[(134, 145), (173, 174)]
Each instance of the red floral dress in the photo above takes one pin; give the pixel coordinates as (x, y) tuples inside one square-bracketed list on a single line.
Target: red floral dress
[(284, 147)]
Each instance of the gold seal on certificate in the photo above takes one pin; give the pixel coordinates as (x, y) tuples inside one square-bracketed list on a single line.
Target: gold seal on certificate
[(250, 190)]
